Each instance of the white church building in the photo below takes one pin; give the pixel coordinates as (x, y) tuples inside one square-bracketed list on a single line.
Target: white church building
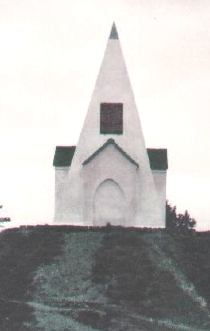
[(110, 176)]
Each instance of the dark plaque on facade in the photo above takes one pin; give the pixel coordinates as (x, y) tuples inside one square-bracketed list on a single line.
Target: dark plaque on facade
[(111, 118)]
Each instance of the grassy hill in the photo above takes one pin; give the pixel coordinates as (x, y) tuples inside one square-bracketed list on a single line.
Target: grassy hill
[(63, 278)]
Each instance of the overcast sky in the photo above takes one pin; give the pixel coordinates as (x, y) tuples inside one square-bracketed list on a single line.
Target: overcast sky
[(50, 53)]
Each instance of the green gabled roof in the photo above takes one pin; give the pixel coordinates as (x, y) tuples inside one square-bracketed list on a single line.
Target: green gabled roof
[(158, 158), (64, 154)]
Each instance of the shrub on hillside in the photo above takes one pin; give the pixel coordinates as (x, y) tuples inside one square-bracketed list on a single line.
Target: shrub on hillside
[(178, 223)]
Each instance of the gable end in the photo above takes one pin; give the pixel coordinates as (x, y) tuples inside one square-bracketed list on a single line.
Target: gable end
[(110, 141)]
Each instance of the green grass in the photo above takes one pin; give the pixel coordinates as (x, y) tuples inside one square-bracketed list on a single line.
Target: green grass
[(112, 279)]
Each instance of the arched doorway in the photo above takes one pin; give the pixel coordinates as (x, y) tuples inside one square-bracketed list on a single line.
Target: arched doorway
[(109, 204)]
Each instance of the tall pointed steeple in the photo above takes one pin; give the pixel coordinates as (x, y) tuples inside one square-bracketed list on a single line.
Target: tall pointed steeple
[(111, 137), (113, 33), (112, 86)]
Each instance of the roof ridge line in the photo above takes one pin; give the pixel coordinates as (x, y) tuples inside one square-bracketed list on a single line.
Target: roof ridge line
[(110, 141)]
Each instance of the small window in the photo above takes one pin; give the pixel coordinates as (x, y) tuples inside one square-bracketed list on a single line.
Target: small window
[(111, 118)]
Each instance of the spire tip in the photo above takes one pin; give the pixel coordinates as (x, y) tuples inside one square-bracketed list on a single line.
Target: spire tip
[(114, 33)]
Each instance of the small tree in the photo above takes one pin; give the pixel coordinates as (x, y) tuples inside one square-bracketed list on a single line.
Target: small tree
[(178, 223), (4, 219)]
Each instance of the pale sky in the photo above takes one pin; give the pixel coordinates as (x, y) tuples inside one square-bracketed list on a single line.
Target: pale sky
[(50, 54)]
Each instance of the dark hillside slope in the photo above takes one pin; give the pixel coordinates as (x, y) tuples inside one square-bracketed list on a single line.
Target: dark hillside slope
[(68, 278)]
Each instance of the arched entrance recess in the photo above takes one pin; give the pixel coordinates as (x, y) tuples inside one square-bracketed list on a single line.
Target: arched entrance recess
[(109, 204)]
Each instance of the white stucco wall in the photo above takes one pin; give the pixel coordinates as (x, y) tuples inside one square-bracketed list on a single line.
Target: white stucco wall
[(160, 178), (110, 164), (61, 184)]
